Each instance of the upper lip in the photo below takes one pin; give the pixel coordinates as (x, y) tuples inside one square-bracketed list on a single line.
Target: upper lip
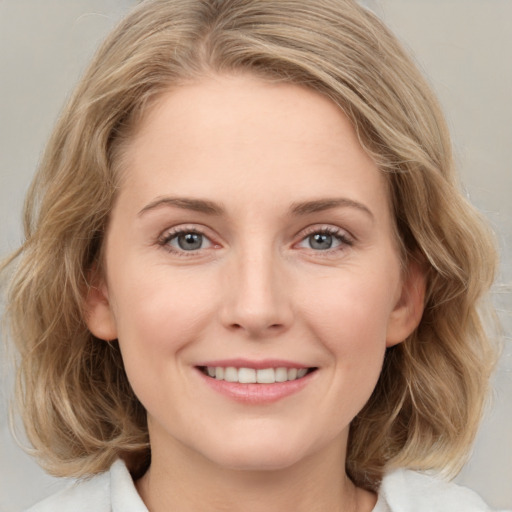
[(257, 365)]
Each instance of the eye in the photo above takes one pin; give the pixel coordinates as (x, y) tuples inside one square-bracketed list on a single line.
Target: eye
[(321, 241), (185, 241), (325, 239)]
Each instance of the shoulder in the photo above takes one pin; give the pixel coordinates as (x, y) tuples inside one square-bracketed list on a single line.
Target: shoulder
[(112, 491), (406, 491), (91, 495)]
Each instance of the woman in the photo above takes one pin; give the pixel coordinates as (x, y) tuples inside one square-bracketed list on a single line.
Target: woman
[(250, 278)]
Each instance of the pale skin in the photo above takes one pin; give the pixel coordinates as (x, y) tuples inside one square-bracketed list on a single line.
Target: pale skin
[(251, 224)]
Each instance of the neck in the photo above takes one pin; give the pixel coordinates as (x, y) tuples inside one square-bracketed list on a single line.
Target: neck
[(191, 483)]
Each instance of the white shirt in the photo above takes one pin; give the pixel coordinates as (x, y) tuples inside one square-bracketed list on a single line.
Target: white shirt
[(401, 491)]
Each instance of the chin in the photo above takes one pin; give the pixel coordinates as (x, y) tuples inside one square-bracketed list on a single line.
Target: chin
[(258, 454), (258, 461)]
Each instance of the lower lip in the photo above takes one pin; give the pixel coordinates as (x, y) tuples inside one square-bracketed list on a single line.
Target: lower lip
[(257, 393)]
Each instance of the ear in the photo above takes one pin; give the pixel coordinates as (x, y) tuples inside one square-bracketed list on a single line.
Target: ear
[(408, 309), (98, 315)]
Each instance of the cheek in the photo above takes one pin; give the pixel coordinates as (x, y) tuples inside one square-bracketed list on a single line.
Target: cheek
[(157, 315), (353, 306), (155, 325), (350, 318)]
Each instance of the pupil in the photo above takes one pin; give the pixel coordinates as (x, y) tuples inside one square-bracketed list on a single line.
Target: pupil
[(190, 241), (321, 241)]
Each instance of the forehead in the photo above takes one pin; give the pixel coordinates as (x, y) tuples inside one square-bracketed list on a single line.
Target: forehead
[(245, 104), (235, 134)]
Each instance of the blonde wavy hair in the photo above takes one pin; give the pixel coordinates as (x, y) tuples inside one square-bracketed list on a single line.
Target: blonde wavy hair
[(79, 410)]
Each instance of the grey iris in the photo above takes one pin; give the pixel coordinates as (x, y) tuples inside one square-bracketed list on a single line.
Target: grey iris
[(190, 241), (320, 241)]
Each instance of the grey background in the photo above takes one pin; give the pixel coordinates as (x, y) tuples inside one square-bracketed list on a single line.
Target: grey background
[(465, 48)]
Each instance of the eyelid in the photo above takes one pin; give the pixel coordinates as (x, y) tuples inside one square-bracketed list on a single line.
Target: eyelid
[(345, 237), (325, 228), (168, 234)]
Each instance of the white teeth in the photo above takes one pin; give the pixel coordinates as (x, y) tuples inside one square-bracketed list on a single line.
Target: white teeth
[(251, 376), (266, 376), (247, 375), (231, 374), (281, 375)]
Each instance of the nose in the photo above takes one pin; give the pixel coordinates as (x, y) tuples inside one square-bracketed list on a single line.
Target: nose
[(257, 296)]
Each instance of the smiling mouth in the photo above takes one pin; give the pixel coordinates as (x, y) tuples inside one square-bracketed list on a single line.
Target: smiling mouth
[(255, 376)]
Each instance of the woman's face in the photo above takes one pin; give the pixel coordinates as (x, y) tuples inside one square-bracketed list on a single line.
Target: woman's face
[(251, 242)]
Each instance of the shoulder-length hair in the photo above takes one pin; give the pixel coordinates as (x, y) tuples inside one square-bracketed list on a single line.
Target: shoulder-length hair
[(79, 410)]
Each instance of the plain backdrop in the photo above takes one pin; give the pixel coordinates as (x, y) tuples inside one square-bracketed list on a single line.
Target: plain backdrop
[(464, 47)]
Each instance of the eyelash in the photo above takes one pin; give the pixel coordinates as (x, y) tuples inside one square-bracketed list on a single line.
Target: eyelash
[(344, 239), (164, 240), (340, 235)]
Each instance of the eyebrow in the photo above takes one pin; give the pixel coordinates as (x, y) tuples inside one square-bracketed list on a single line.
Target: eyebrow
[(320, 205), (185, 203), (212, 208)]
